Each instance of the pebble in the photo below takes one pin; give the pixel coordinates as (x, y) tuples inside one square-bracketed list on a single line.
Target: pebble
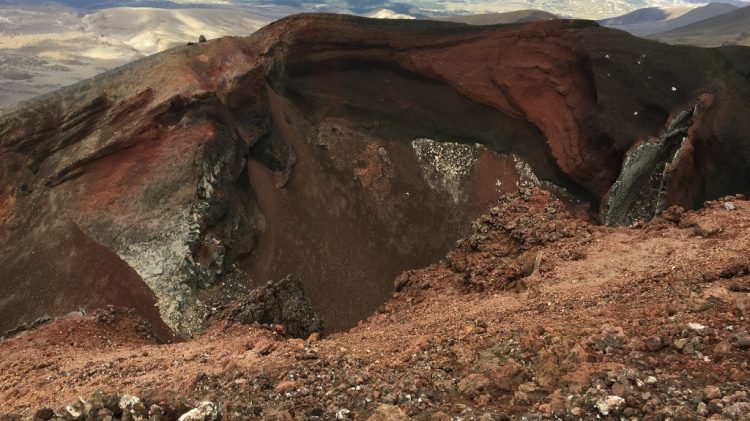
[(44, 414), (712, 392), (696, 327), (653, 343), (702, 409), (680, 343), (285, 385), (73, 412), (127, 402), (618, 389), (343, 414), (743, 339)]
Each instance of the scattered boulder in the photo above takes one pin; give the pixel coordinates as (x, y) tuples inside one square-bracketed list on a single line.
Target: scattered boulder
[(202, 38)]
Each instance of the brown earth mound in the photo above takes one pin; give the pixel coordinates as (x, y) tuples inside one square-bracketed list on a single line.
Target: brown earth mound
[(343, 151), (536, 314)]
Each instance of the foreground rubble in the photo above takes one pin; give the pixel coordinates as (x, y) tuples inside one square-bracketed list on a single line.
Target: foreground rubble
[(536, 315)]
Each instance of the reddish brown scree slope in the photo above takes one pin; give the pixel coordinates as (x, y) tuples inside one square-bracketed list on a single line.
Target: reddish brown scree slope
[(535, 314)]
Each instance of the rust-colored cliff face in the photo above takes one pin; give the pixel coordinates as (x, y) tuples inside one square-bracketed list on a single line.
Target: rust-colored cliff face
[(343, 150)]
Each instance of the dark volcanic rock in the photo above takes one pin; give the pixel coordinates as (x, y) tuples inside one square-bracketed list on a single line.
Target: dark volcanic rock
[(282, 302), (341, 150)]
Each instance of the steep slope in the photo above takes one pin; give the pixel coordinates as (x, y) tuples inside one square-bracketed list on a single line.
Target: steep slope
[(343, 151), (655, 20), (731, 28)]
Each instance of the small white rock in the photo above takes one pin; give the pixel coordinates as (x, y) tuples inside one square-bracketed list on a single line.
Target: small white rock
[(75, 413), (650, 380), (127, 402), (206, 411), (608, 404), (729, 206), (696, 327), (343, 414)]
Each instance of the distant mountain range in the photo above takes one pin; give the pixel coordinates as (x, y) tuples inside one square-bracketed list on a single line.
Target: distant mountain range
[(519, 16), (731, 28), (653, 20), (711, 25), (48, 44)]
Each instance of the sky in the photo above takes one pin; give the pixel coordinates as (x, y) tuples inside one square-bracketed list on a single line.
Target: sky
[(591, 9)]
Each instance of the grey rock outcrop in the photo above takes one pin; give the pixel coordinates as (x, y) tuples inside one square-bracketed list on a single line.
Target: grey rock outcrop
[(281, 302)]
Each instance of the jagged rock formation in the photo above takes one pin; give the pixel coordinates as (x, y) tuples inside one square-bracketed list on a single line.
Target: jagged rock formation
[(282, 302), (340, 150), (648, 170)]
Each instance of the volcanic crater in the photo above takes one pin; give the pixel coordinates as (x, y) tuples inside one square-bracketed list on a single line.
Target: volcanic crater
[(344, 151)]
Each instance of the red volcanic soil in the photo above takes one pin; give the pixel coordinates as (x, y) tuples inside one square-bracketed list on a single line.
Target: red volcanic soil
[(536, 314)]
